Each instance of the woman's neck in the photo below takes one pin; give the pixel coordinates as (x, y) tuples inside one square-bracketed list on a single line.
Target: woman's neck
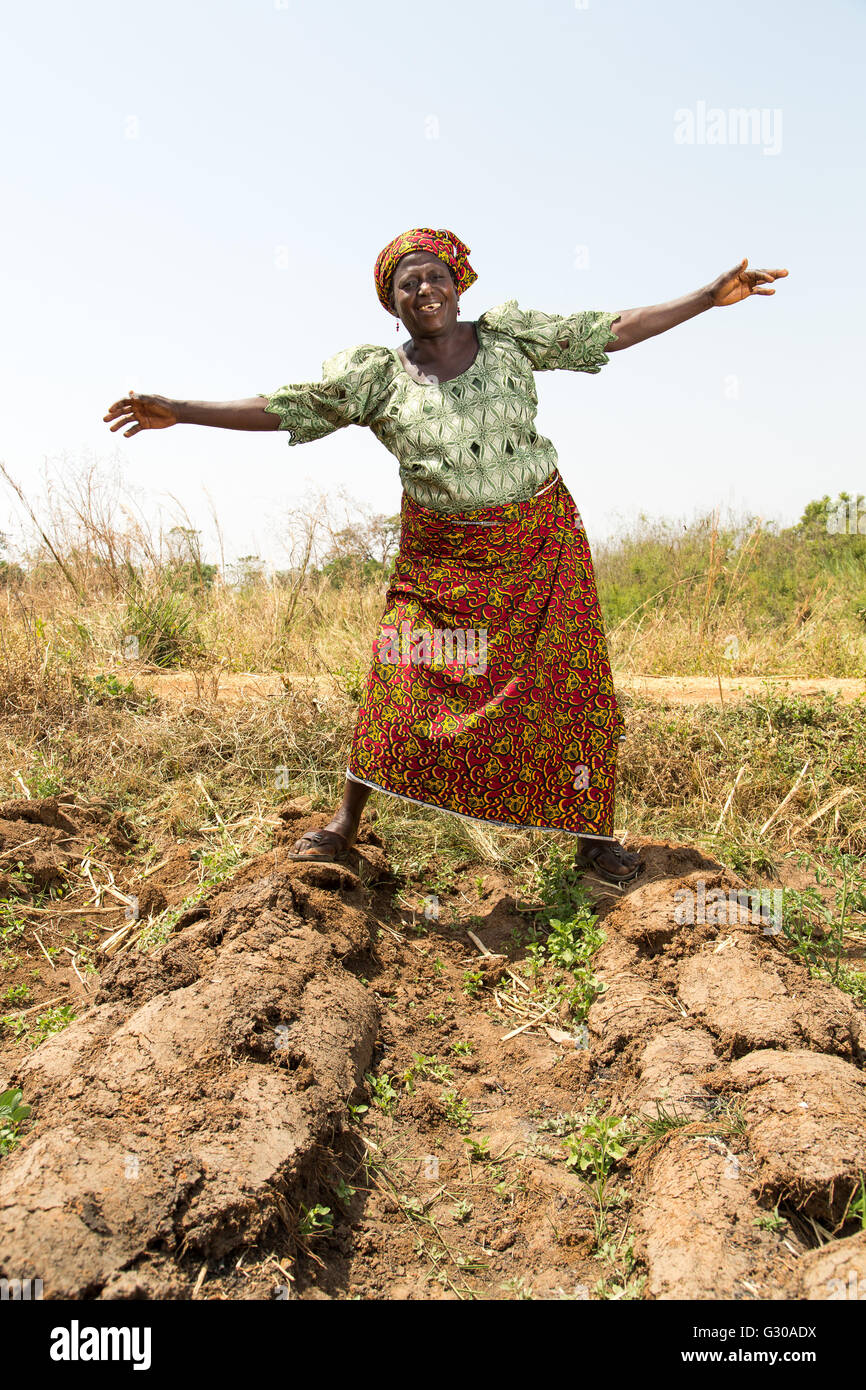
[(444, 355)]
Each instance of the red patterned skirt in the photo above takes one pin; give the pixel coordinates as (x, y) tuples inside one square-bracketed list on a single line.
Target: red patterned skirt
[(490, 693)]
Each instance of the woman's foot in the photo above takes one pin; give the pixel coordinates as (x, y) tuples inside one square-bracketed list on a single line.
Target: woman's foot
[(328, 845), (609, 860), (333, 842)]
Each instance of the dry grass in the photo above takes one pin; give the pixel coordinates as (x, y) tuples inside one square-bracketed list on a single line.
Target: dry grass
[(95, 575), (96, 581), (739, 598)]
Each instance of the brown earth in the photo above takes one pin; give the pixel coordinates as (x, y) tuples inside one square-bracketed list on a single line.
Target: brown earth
[(195, 1114)]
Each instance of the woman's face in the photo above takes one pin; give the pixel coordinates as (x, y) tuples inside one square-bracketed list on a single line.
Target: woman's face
[(424, 294)]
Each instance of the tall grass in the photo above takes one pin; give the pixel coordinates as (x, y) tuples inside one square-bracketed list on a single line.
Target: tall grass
[(97, 586), (736, 598)]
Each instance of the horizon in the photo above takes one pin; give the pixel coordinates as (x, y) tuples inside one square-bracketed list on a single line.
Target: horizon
[(845, 514)]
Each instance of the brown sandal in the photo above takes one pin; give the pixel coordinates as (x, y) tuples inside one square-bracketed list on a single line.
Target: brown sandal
[(588, 859), (322, 838)]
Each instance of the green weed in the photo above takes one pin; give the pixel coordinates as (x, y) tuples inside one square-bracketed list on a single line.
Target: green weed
[(384, 1095), (315, 1221), (35, 1030), (12, 1116), (473, 982), (425, 1069), (815, 928), (457, 1111)]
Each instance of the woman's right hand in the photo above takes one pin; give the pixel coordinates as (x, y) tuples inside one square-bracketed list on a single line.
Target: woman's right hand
[(141, 413)]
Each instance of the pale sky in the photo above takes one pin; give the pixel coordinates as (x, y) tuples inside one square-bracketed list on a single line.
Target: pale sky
[(195, 195)]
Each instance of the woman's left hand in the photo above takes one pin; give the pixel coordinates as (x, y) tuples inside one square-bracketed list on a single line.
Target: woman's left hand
[(739, 283)]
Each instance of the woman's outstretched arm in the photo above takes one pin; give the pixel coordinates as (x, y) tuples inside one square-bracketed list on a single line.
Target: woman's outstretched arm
[(635, 325), (135, 412)]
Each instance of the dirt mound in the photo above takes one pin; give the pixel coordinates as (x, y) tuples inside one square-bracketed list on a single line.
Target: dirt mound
[(744, 1000), (696, 1214), (42, 838), (36, 844), (72, 872), (668, 1069), (835, 1271), (806, 1122), (782, 1125), (185, 1110)]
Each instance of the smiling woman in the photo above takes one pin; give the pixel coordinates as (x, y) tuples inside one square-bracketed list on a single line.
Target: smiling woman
[(491, 545)]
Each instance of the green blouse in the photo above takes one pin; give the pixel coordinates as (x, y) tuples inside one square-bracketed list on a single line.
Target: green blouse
[(469, 442)]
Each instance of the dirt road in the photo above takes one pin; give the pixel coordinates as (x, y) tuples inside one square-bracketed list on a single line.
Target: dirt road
[(240, 687)]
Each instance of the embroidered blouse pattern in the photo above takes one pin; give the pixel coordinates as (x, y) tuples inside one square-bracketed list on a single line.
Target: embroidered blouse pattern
[(465, 443)]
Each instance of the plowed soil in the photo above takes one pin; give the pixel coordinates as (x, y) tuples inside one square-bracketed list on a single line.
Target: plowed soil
[(206, 1103)]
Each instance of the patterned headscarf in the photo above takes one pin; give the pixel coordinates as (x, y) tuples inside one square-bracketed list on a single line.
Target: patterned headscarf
[(441, 242)]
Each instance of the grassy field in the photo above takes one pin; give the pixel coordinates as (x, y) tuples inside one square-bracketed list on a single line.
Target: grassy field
[(96, 585), (99, 600)]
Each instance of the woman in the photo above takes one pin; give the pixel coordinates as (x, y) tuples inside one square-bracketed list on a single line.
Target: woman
[(490, 693)]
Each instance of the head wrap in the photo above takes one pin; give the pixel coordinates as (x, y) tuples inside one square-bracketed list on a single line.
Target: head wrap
[(440, 242)]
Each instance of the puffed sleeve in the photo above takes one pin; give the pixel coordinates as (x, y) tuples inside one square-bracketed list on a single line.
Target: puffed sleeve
[(353, 386), (540, 336)]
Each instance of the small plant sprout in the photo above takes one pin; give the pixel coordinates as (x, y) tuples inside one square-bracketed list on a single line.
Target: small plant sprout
[(343, 1192), (12, 1116), (457, 1111), (479, 1148), (473, 981), (770, 1221), (315, 1221), (383, 1093)]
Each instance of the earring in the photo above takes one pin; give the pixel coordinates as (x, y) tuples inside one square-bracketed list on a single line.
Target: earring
[(458, 309), (398, 326)]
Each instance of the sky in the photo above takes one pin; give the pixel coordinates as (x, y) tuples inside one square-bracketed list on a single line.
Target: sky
[(195, 195)]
